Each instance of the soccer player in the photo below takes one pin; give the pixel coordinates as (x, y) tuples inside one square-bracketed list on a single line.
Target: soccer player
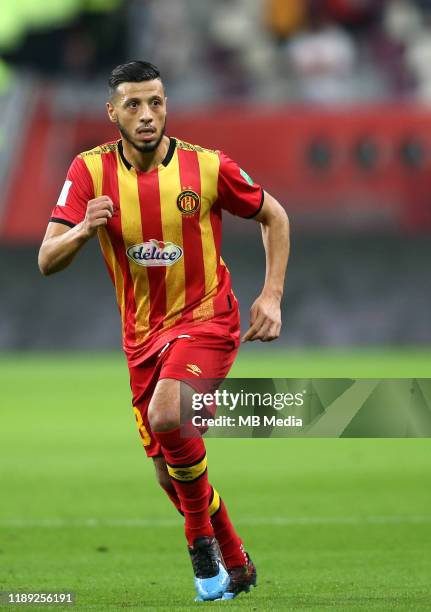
[(156, 204)]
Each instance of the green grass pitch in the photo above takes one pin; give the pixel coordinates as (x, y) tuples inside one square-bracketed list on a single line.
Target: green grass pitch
[(332, 524)]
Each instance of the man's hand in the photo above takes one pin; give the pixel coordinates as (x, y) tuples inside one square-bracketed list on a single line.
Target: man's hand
[(98, 212), (61, 243), (265, 319)]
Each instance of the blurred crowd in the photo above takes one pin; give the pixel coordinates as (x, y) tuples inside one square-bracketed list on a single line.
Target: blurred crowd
[(317, 51), (313, 51)]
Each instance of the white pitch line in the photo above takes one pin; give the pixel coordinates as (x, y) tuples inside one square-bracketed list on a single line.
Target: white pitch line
[(270, 521)]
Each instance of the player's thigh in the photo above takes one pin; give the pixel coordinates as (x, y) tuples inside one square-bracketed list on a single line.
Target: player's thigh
[(170, 405), (195, 364), (164, 407), (191, 364)]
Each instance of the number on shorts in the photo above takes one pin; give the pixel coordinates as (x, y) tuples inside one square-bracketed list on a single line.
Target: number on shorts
[(146, 440)]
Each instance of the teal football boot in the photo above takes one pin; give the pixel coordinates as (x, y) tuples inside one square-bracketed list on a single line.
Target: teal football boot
[(211, 576)]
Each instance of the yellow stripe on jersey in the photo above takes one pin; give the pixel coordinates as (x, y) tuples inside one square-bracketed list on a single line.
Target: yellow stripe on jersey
[(188, 473), (109, 255), (131, 226), (94, 166), (170, 188), (215, 503), (209, 168)]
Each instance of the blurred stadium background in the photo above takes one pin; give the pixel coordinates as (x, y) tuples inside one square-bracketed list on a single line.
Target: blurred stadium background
[(327, 103)]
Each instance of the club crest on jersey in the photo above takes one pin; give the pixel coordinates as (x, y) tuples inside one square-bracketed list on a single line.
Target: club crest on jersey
[(155, 253), (188, 202)]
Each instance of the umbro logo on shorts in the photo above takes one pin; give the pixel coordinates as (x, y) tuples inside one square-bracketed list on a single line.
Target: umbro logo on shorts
[(193, 369)]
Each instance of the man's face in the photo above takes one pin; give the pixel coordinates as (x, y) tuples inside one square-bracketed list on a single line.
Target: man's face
[(139, 112)]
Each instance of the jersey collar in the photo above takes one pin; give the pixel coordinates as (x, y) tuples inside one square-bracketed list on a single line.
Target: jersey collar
[(165, 162)]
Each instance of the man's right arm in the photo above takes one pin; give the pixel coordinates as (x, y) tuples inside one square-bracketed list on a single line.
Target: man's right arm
[(61, 243)]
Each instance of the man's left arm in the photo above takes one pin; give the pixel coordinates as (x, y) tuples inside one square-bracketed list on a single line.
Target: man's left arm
[(265, 313)]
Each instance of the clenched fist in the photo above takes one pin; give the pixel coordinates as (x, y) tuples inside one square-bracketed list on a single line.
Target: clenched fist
[(98, 212)]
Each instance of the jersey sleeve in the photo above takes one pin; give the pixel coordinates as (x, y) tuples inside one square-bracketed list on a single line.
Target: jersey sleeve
[(237, 192), (77, 190)]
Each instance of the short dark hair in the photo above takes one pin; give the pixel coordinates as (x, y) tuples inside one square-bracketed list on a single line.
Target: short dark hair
[(132, 72)]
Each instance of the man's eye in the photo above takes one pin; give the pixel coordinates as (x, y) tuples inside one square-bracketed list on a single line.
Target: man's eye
[(133, 105)]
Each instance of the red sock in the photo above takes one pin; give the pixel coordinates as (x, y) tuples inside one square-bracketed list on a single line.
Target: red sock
[(186, 463), (228, 539)]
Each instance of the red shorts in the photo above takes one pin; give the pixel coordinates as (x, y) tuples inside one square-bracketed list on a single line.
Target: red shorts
[(188, 357)]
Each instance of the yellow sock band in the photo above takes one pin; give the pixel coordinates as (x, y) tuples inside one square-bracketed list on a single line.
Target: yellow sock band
[(187, 473), (215, 503)]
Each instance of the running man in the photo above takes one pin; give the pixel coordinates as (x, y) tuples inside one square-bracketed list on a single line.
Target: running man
[(156, 204)]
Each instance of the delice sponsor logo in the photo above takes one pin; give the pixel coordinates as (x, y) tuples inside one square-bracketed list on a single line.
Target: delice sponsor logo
[(155, 253)]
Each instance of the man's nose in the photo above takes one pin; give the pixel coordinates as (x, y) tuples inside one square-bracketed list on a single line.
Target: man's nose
[(146, 115)]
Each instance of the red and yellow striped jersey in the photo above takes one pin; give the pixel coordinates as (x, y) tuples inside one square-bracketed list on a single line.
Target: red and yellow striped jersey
[(162, 246)]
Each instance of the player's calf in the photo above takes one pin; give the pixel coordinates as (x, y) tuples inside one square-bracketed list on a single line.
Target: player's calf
[(185, 459)]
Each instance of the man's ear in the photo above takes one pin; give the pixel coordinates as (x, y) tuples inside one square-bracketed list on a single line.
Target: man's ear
[(112, 113)]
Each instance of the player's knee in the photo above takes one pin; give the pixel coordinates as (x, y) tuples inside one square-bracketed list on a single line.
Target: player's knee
[(163, 420), (164, 408)]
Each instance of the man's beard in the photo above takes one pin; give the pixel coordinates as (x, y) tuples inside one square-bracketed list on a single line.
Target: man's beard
[(144, 147)]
